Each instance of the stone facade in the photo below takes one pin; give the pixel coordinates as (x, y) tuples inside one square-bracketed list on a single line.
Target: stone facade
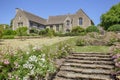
[(60, 23)]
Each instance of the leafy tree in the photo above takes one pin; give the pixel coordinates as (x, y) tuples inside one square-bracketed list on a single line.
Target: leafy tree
[(111, 17), (1, 32), (114, 28), (92, 29)]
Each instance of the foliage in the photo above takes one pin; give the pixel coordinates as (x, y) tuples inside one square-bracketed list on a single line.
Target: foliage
[(63, 49), (80, 42), (111, 17), (34, 30), (77, 30), (47, 32), (9, 32), (8, 36), (114, 28), (1, 32), (33, 64), (92, 29), (112, 41), (21, 31)]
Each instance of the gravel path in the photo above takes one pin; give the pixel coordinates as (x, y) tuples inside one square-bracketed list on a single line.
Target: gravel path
[(86, 66)]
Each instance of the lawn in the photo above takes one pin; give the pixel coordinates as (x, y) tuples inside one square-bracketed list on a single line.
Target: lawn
[(17, 43), (102, 49)]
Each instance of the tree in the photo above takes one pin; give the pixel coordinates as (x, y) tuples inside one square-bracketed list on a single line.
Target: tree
[(22, 31), (114, 28), (92, 29), (111, 17), (1, 32)]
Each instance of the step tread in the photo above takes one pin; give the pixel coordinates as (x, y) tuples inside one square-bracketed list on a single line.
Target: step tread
[(73, 75), (86, 71), (89, 62), (92, 55), (89, 58), (88, 65)]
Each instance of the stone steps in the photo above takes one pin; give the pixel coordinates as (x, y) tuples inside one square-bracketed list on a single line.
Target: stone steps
[(90, 58), (89, 62), (93, 66), (78, 76), (86, 66), (91, 55), (85, 70)]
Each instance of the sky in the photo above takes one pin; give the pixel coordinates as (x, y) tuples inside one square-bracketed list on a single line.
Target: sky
[(45, 8)]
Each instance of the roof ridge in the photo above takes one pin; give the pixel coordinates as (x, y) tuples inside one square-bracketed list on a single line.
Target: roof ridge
[(33, 14)]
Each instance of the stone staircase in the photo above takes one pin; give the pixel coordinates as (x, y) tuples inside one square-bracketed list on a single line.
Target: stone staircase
[(86, 66)]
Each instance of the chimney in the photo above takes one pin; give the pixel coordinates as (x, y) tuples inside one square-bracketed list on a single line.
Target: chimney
[(17, 9)]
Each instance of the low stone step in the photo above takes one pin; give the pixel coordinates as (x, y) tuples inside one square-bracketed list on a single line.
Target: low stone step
[(61, 78), (79, 76), (92, 55), (90, 58), (85, 71), (93, 66), (89, 62)]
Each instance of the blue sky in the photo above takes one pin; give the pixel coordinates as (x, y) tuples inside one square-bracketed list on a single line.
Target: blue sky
[(44, 8)]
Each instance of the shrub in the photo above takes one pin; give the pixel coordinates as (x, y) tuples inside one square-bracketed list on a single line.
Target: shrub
[(9, 32), (92, 29), (112, 41), (34, 30), (114, 28), (77, 30), (22, 31), (80, 42), (63, 49)]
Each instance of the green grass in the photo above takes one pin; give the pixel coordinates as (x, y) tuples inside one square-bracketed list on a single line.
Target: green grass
[(102, 49)]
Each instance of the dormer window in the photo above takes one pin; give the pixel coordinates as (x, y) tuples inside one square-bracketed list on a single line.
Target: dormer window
[(80, 21)]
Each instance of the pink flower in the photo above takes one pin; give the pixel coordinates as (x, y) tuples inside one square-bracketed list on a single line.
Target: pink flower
[(6, 62), (117, 64)]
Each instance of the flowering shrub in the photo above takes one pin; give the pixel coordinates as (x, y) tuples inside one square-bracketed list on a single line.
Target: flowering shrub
[(63, 49), (33, 64), (116, 58)]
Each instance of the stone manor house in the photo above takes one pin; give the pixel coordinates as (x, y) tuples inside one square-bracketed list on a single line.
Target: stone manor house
[(59, 23)]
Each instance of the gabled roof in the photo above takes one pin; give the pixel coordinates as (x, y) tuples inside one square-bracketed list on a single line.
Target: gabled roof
[(33, 17), (58, 19)]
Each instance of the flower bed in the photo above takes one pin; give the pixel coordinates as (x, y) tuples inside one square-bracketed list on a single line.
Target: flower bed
[(35, 64)]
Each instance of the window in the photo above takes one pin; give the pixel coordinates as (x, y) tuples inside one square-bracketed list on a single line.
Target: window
[(68, 23), (80, 21), (57, 27), (51, 26), (20, 24)]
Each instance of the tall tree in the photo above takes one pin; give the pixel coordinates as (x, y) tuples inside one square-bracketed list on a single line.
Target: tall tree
[(111, 17)]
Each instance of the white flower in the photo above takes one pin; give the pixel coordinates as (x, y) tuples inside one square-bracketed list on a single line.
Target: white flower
[(28, 65), (27, 52), (33, 58), (43, 59), (32, 72), (35, 48), (25, 78)]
